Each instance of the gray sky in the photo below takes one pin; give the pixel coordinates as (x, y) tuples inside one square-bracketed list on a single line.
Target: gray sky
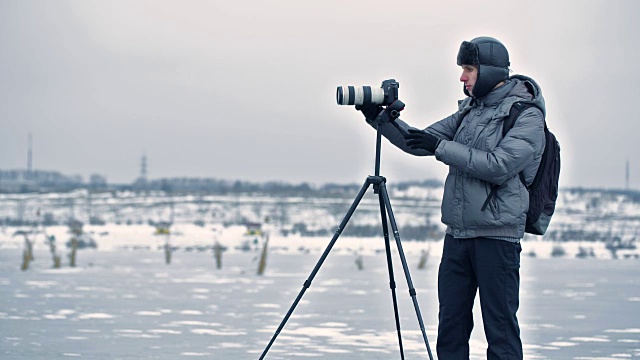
[(246, 89)]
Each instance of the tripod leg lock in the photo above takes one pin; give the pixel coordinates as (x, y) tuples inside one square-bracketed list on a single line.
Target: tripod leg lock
[(376, 180), (307, 284), (392, 284), (412, 292)]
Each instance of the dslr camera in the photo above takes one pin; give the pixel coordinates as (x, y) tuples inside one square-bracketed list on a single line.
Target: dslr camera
[(358, 95)]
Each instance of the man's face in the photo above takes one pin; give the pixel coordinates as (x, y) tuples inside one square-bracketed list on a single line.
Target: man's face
[(469, 77)]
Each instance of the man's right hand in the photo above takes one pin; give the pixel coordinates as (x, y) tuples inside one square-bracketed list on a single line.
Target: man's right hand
[(370, 111)]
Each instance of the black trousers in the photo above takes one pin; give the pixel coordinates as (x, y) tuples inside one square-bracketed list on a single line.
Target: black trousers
[(493, 267)]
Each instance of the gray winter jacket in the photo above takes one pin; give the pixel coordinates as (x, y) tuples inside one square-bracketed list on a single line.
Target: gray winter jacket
[(479, 158)]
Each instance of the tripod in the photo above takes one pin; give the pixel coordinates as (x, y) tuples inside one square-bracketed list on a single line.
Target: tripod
[(379, 187)]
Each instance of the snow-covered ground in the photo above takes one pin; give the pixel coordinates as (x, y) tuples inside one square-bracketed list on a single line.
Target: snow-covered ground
[(190, 237), (122, 301)]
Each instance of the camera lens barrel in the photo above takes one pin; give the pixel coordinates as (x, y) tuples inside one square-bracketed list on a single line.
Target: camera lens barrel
[(358, 95)]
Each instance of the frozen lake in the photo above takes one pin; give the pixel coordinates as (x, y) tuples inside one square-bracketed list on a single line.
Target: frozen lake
[(129, 305)]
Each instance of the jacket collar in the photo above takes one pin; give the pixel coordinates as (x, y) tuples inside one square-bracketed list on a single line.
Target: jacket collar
[(497, 95), (516, 88)]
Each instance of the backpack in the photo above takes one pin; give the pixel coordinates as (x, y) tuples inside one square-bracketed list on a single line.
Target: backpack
[(543, 191)]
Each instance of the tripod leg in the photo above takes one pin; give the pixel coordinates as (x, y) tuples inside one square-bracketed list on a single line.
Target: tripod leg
[(307, 283), (392, 281), (412, 291)]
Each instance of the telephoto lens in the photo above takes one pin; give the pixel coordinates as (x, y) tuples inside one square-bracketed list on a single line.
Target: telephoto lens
[(358, 95)]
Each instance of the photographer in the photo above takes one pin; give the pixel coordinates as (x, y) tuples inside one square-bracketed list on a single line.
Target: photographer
[(485, 201)]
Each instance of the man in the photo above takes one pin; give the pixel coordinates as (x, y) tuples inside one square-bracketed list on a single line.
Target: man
[(485, 201)]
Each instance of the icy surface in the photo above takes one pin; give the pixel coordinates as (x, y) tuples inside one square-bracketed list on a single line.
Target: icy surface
[(129, 304)]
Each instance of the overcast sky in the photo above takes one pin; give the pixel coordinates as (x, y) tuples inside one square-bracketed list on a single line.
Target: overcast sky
[(246, 89)]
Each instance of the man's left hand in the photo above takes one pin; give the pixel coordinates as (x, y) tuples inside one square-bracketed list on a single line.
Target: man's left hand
[(420, 139)]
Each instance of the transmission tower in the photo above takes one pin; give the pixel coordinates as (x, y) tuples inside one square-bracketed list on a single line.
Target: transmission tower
[(627, 176), (29, 155), (143, 167)]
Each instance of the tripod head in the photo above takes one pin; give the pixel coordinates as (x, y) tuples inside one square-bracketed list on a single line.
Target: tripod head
[(390, 113)]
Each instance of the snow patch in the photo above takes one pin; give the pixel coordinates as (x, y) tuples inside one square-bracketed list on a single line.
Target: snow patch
[(267, 306), (41, 284), (54, 317), (562, 343), (165, 331), (191, 312), (95, 316), (623, 331), (590, 339), (148, 313), (217, 332)]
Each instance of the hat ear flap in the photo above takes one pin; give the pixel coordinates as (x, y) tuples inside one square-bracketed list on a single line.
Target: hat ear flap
[(468, 54), (488, 78)]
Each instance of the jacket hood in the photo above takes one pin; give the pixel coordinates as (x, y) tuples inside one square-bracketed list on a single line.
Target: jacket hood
[(526, 90)]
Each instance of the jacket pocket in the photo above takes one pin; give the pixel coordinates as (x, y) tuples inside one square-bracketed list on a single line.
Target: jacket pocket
[(492, 198)]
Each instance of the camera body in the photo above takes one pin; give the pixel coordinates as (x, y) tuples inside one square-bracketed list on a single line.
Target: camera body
[(390, 88), (385, 95)]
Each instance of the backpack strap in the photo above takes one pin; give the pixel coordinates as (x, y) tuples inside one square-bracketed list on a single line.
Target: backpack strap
[(514, 113), (516, 109)]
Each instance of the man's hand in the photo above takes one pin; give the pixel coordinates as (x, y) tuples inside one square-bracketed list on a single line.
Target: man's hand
[(370, 111), (419, 139)]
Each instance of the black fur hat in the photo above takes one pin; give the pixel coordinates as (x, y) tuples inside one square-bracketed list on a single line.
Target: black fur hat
[(468, 54), (492, 59)]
